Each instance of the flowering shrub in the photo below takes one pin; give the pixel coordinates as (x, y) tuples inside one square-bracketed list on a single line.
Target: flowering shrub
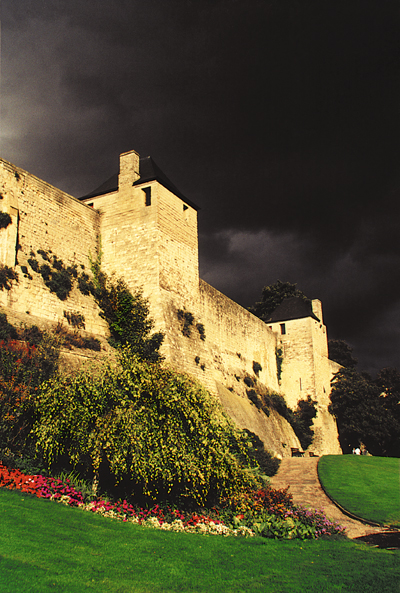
[(288, 522), (271, 513), (315, 519), (23, 367), (265, 499)]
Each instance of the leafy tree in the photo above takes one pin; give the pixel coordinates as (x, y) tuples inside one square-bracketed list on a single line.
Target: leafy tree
[(388, 382), (156, 432), (274, 295), (360, 409), (341, 352)]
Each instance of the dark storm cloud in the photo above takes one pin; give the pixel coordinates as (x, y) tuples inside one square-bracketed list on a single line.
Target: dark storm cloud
[(278, 118)]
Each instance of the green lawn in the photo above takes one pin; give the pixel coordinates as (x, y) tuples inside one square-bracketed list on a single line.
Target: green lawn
[(45, 547), (369, 487)]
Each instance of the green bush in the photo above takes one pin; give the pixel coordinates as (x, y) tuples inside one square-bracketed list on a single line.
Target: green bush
[(155, 432)]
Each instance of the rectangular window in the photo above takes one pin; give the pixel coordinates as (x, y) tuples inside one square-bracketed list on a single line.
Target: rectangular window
[(147, 191), (283, 328)]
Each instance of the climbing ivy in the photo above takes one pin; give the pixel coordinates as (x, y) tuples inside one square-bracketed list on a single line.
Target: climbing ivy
[(127, 315), (279, 362)]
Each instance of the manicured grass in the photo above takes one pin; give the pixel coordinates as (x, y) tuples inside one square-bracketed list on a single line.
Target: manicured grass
[(369, 487), (46, 547)]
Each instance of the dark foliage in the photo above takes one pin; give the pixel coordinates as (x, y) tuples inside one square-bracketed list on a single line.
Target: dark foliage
[(57, 278), (7, 331), (32, 334), (253, 397), (23, 368), (60, 283), (274, 295), (45, 272), (342, 353), (186, 318), (301, 420), (279, 362), (25, 272), (44, 254), (201, 330), (34, 264), (5, 220), (7, 276), (367, 411), (77, 320), (304, 415), (248, 381), (85, 284), (276, 401), (269, 465), (257, 368), (127, 315)]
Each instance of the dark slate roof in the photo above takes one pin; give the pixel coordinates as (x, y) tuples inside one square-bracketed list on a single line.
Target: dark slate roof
[(149, 171), (293, 308)]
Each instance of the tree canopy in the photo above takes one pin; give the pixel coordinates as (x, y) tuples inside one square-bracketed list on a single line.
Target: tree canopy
[(341, 352), (273, 296), (157, 432), (367, 411)]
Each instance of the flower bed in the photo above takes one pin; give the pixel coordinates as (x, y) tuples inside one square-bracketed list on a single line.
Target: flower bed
[(267, 512)]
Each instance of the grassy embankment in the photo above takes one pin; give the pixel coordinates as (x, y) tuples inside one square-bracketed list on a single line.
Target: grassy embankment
[(369, 487), (45, 547)]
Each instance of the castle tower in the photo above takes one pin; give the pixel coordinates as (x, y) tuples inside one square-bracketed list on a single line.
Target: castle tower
[(148, 232), (306, 369)]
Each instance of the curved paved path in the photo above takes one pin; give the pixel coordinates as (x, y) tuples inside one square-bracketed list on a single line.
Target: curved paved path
[(300, 473)]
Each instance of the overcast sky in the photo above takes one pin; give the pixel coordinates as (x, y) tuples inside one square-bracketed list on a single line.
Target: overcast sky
[(279, 118)]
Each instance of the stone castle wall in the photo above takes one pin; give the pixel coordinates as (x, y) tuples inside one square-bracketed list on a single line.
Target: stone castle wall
[(48, 220), (150, 239)]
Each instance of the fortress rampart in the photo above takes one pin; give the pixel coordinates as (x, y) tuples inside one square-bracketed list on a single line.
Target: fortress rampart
[(146, 232)]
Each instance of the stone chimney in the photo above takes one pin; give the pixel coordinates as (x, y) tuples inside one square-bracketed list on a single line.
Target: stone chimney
[(317, 308), (128, 169)]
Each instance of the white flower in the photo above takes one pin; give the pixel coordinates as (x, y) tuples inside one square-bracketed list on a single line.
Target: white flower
[(152, 522)]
